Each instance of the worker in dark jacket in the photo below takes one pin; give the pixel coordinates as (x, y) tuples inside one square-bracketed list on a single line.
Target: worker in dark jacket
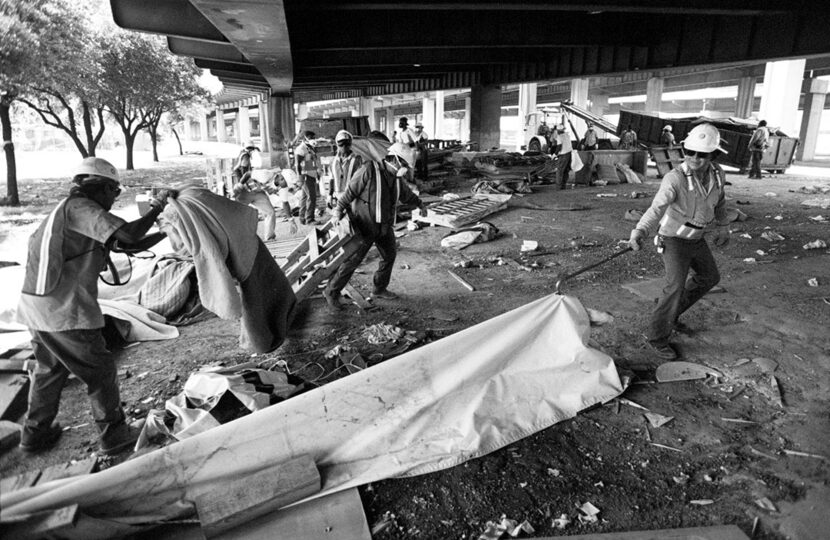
[(59, 305), (371, 200)]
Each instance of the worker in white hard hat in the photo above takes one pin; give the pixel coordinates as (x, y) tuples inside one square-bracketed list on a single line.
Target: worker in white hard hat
[(343, 166), (690, 200), (421, 152), (591, 140), (371, 200), (408, 139), (59, 305), (254, 152), (307, 166), (667, 137)]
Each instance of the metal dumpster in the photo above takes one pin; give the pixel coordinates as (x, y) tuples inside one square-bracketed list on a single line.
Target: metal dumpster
[(735, 135)]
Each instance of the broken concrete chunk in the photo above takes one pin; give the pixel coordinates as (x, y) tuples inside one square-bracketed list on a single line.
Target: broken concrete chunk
[(815, 244)]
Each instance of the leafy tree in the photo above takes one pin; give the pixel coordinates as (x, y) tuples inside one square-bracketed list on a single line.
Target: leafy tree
[(177, 87), (37, 36)]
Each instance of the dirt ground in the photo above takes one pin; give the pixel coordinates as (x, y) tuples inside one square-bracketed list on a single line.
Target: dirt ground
[(709, 468)]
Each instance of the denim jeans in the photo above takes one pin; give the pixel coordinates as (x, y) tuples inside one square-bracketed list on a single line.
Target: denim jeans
[(84, 354), (682, 290), (308, 199), (383, 238)]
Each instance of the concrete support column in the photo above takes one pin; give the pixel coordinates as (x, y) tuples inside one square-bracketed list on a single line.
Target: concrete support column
[(485, 116), (438, 133), (281, 129), (465, 125), (221, 135), (579, 97), (367, 108), (782, 90), (302, 111), (391, 127), (264, 133), (428, 116), (243, 125), (527, 105), (746, 97), (599, 103), (815, 94), (654, 94), (203, 127)]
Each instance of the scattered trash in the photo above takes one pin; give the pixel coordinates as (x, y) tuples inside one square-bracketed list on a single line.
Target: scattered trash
[(630, 403), (818, 202), (747, 236), (760, 252), (684, 371), (681, 479), (750, 260), (804, 454), (599, 318), (386, 520), (529, 245), (778, 218), (733, 214), (553, 472), (462, 238), (657, 420), (815, 244), (601, 195), (776, 391), (638, 195), (771, 236), (766, 504), (412, 225), (382, 333), (762, 454), (702, 502), (632, 215), (812, 190), (561, 522), (494, 530), (738, 420), (666, 447), (462, 281), (589, 513), (770, 194), (818, 219), (450, 196)]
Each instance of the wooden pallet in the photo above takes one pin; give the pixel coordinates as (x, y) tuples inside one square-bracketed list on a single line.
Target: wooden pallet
[(462, 212), (56, 523), (316, 257), (15, 365), (666, 158)]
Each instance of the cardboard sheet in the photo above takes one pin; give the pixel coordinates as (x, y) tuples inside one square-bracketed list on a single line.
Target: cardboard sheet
[(429, 409)]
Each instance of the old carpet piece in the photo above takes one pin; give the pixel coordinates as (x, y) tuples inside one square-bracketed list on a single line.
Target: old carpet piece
[(429, 409)]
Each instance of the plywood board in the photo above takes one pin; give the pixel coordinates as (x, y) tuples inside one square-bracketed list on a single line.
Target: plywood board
[(339, 515)]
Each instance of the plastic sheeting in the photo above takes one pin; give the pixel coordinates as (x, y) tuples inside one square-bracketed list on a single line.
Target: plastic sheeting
[(429, 409)]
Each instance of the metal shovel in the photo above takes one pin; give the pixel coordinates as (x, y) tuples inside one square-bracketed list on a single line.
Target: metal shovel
[(585, 269)]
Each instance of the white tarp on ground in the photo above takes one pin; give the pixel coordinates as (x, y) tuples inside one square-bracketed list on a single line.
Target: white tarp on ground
[(432, 408)]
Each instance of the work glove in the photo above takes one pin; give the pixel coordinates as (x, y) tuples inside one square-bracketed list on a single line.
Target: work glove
[(635, 241), (159, 200), (423, 211), (336, 216)]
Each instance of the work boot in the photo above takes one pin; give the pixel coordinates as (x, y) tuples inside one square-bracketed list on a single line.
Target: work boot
[(682, 328), (120, 438), (384, 294), (664, 351), (38, 440), (333, 300)]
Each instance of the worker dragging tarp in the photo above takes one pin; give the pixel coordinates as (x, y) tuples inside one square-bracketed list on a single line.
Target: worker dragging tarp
[(221, 236)]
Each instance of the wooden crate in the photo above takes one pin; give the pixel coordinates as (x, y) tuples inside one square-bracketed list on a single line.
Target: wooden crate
[(462, 212)]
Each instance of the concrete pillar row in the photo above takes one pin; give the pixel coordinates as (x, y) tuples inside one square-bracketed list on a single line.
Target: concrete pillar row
[(579, 97), (366, 107), (221, 135), (243, 125), (465, 125), (281, 129), (438, 131), (746, 97), (654, 94), (391, 127), (485, 116), (782, 91), (527, 105), (428, 116), (815, 95), (203, 127)]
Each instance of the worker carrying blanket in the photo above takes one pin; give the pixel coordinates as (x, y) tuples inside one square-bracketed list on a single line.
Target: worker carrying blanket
[(237, 275)]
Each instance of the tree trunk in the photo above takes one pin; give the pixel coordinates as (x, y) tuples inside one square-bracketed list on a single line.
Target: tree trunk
[(129, 142), (154, 140), (12, 196), (87, 120), (181, 152)]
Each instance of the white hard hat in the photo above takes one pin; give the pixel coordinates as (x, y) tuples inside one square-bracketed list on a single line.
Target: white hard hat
[(666, 128), (419, 125), (94, 166), (249, 144), (703, 138), (400, 150), (342, 135)]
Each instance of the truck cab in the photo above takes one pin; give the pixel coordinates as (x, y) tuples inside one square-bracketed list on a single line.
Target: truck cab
[(538, 129)]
